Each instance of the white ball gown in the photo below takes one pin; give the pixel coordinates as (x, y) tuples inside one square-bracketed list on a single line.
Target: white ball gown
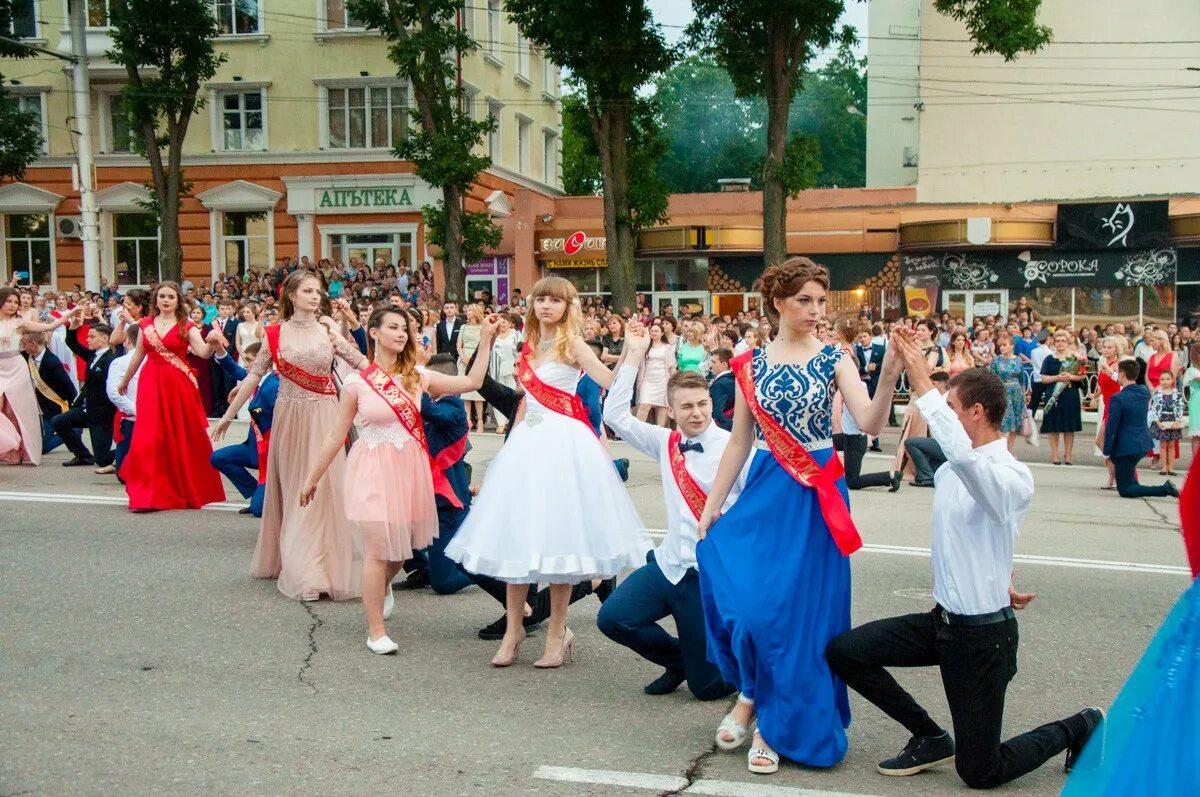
[(551, 508)]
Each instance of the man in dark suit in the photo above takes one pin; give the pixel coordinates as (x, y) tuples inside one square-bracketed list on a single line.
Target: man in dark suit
[(722, 388), (92, 407), (870, 360), (236, 461), (1126, 437), (448, 329), (55, 390)]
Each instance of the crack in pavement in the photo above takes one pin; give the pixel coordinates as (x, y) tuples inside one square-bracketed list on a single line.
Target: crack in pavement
[(1161, 516), (693, 772), (317, 622)]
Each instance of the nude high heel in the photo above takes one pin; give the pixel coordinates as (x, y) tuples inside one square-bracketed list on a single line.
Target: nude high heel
[(507, 661), (547, 662)]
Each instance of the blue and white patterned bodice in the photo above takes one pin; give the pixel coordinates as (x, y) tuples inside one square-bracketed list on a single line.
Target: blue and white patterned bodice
[(800, 398)]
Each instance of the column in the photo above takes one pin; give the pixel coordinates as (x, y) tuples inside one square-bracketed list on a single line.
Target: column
[(304, 236)]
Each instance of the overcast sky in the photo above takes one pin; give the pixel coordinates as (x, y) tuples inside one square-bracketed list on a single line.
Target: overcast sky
[(674, 15)]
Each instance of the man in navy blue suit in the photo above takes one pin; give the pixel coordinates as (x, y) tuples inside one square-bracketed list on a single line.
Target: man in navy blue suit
[(722, 389), (237, 460), (1126, 437), (55, 390)]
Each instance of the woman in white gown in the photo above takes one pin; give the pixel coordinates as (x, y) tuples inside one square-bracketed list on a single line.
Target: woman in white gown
[(552, 508)]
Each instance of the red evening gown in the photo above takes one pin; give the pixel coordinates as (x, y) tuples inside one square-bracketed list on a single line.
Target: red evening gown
[(168, 462)]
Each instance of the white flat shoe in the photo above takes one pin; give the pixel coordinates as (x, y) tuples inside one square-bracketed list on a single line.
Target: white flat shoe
[(736, 730), (762, 769), (383, 646), (389, 603)]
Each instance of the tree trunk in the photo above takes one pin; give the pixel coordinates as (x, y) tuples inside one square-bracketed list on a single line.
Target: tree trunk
[(453, 271), (611, 127), (779, 99)]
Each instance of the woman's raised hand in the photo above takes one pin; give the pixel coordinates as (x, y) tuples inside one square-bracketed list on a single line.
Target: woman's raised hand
[(489, 325)]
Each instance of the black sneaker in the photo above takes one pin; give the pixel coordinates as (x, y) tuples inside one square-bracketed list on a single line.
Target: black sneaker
[(1093, 718), (921, 753), (665, 684)]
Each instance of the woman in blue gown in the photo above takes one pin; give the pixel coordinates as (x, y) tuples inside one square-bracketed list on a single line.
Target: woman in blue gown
[(774, 573)]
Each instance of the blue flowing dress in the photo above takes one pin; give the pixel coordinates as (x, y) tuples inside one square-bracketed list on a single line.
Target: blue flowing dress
[(774, 586)]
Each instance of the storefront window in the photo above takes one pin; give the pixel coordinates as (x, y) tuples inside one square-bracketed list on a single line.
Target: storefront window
[(585, 280), (27, 240), (1188, 304), (135, 246), (1102, 305), (682, 274), (245, 240)]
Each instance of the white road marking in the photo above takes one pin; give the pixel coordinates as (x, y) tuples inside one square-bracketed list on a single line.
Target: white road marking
[(105, 500), (670, 783), (894, 550)]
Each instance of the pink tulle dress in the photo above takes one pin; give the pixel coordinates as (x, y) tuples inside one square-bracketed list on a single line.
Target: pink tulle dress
[(389, 488)]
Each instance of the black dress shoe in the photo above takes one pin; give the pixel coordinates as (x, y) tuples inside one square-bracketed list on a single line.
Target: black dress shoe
[(875, 447), (75, 462), (897, 477), (622, 466), (244, 510), (417, 579), (921, 753), (665, 684), (495, 631), (1172, 490), (606, 588), (1092, 718), (921, 484)]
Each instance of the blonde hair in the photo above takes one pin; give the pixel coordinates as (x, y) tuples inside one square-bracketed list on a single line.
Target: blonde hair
[(569, 328), (1119, 342)]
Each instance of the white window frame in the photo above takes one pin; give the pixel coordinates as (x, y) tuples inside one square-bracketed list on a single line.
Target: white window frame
[(495, 25), (5, 241), (233, 5), (522, 58), (470, 99), (324, 108), (37, 23), (468, 17), (25, 94), (495, 140), (524, 145), (268, 237), (220, 112), (113, 238), (324, 24), (550, 156), (550, 87), (105, 96)]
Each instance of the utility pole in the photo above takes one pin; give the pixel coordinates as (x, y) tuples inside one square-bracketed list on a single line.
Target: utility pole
[(81, 91)]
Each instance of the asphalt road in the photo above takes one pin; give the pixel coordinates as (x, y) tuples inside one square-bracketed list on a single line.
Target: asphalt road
[(138, 657)]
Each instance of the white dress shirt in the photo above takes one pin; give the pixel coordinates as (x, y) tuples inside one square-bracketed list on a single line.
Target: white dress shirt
[(116, 372), (979, 498), (677, 552), (1036, 358)]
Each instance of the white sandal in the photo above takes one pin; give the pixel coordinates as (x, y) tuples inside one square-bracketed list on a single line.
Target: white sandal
[(735, 728), (762, 769)]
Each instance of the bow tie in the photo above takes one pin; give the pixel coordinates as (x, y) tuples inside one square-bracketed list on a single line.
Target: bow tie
[(694, 445)]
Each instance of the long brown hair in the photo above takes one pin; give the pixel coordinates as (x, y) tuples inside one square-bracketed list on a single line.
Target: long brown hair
[(406, 360), (181, 314), (5, 293), (571, 325), (290, 285)]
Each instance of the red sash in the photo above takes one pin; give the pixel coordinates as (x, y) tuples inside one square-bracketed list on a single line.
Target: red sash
[(294, 373), (263, 443), (550, 397), (693, 494), (409, 414), (150, 333), (799, 464)]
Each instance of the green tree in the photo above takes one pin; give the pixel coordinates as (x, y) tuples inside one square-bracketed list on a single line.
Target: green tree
[(766, 45), (580, 158), (612, 48), (166, 48), (20, 134), (426, 42), (712, 133), (822, 111)]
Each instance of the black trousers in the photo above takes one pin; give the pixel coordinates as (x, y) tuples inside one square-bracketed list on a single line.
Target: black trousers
[(927, 457), (1125, 473), (68, 424), (976, 662), (1036, 391), (854, 448)]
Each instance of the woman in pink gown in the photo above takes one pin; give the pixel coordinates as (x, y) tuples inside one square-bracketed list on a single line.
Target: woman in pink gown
[(389, 485), (20, 419), (168, 466), (310, 550)]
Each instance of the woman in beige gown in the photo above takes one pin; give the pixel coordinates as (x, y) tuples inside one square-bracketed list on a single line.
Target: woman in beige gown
[(311, 549)]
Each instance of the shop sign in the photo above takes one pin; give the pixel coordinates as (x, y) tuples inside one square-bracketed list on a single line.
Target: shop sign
[(578, 242), (922, 276), (1112, 226), (384, 198), (592, 262)]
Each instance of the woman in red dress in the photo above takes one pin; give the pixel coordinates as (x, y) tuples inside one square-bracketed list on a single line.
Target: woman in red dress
[(168, 462), (1112, 350)]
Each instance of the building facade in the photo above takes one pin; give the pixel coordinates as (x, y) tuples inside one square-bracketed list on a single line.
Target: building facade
[(1106, 110), (291, 155)]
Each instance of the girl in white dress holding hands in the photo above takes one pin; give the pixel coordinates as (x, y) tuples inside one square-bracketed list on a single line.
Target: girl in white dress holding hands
[(551, 508)]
